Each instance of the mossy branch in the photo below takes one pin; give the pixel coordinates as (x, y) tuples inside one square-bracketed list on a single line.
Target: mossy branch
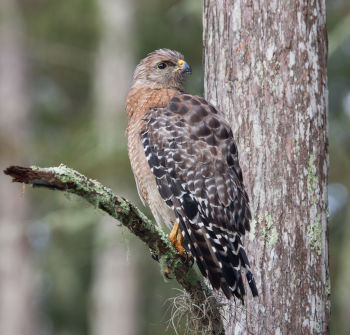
[(65, 179)]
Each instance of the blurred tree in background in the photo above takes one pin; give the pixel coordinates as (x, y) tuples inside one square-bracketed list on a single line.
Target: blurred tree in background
[(339, 178), (114, 286), (76, 58), (17, 283)]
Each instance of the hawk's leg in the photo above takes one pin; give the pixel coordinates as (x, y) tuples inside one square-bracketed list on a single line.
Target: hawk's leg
[(175, 237)]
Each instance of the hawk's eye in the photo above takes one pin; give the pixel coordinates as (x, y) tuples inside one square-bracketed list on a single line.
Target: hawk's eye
[(162, 65)]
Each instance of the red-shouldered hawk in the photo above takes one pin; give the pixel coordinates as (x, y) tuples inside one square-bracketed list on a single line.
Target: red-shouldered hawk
[(186, 168)]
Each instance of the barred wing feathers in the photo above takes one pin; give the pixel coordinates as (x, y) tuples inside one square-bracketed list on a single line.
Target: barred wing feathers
[(192, 154)]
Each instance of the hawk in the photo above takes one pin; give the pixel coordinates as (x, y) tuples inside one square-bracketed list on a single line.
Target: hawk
[(186, 169)]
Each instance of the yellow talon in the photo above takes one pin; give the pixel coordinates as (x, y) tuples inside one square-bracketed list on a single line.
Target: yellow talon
[(175, 237)]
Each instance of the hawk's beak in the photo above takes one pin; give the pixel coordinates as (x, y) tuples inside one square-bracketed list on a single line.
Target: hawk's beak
[(183, 66)]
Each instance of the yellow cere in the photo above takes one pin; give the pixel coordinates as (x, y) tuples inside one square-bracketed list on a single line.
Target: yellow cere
[(180, 63)]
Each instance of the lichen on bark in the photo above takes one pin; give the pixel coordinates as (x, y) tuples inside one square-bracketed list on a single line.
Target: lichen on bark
[(265, 69), (314, 233), (68, 180)]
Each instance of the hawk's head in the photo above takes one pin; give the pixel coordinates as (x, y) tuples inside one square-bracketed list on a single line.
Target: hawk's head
[(162, 68)]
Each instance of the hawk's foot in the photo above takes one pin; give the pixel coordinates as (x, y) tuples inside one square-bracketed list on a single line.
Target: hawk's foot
[(176, 238)]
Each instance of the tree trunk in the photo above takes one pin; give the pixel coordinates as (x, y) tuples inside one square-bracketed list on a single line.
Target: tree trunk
[(16, 272), (265, 67), (114, 284)]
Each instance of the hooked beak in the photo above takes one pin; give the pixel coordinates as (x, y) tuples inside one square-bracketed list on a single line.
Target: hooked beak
[(183, 66)]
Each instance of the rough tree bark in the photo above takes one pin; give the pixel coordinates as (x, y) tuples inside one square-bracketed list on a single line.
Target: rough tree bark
[(265, 67)]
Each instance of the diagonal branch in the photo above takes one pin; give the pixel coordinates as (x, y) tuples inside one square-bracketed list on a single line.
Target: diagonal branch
[(65, 179)]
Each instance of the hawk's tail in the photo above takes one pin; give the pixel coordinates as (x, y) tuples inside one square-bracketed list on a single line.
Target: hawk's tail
[(220, 256)]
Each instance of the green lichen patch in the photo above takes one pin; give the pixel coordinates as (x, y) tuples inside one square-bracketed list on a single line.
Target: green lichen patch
[(35, 168), (252, 230), (124, 206), (312, 179), (67, 180), (269, 231), (314, 233), (327, 213), (273, 237), (268, 219), (318, 327)]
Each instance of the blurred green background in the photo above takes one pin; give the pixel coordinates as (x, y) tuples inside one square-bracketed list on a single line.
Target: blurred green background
[(65, 67)]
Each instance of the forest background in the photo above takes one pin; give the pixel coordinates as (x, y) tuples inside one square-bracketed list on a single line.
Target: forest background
[(65, 67)]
